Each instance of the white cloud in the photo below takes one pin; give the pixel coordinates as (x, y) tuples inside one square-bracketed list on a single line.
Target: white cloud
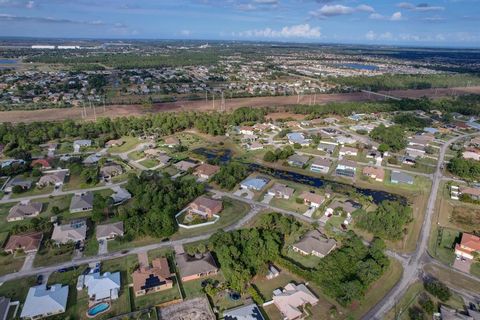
[(331, 10), (30, 4), (397, 16), (296, 31), (185, 32), (372, 36), (269, 2), (376, 16), (421, 7)]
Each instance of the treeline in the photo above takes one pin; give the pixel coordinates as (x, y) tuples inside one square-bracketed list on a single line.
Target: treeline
[(244, 253), (468, 169), (392, 138), (388, 221), (410, 121), (25, 136), (230, 174), (398, 81), (278, 154), (133, 60), (464, 104), (156, 199)]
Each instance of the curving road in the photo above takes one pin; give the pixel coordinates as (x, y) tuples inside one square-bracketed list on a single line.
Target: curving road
[(414, 266)]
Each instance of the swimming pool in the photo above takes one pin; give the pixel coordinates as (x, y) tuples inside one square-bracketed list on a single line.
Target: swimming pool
[(97, 309)]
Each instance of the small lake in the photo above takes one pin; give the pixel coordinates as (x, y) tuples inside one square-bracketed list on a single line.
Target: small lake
[(359, 66), (8, 61), (377, 196)]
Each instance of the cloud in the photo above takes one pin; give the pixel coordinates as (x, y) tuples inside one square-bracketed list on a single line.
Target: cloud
[(185, 32), (421, 7), (50, 20), (331, 10), (296, 31), (18, 4), (372, 36), (397, 16), (376, 16), (266, 2)]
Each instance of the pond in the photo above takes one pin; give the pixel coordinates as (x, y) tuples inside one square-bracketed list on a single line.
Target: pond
[(8, 61), (359, 66), (376, 195), (223, 155)]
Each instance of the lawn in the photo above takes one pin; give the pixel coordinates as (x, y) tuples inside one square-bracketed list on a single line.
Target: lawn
[(475, 269), (75, 182), (117, 245), (17, 290), (10, 263), (153, 299), (452, 279), (194, 288), (33, 191), (309, 261), (91, 244), (443, 245), (149, 163), (129, 144), (50, 256), (233, 210), (136, 155)]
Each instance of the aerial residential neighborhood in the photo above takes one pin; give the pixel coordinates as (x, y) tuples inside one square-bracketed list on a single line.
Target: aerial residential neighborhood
[(239, 160)]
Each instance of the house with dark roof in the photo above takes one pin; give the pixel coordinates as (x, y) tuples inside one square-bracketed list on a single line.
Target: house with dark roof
[(27, 242), (297, 160), (397, 177), (53, 177), (81, 202), (78, 144), (152, 278), (314, 243), (111, 170), (246, 312), (109, 231), (25, 184), (346, 168), (205, 207), (320, 165), (24, 209), (196, 267), (185, 165)]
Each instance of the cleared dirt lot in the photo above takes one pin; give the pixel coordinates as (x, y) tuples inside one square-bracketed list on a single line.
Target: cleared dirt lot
[(230, 104)]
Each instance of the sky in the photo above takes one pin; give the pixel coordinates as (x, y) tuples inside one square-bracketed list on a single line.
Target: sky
[(444, 23)]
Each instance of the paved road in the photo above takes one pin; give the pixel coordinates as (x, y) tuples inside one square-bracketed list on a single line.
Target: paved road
[(412, 270), (62, 193)]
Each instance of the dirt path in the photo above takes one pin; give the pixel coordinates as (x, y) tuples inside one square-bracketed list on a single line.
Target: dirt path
[(230, 104)]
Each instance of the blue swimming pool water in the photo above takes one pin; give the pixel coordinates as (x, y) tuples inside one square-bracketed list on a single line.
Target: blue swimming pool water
[(98, 308)]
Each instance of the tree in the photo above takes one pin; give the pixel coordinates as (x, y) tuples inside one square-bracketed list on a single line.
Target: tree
[(437, 289), (230, 174), (393, 137), (17, 189), (427, 304), (415, 313), (269, 156)]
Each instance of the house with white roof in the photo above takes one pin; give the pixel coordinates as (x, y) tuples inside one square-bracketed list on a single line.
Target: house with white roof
[(102, 287), (77, 144), (291, 300), (42, 302)]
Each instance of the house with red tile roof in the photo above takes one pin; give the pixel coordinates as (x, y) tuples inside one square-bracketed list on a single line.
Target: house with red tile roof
[(44, 164), (470, 243), (28, 242)]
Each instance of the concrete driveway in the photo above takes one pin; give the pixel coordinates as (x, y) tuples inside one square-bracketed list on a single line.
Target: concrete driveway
[(244, 193), (267, 198), (28, 263), (309, 212), (462, 265), (102, 247)]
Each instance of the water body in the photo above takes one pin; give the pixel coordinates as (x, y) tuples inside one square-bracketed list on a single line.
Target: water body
[(222, 155), (8, 61), (359, 66)]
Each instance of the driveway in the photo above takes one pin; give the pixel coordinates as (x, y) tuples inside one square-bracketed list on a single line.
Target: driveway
[(102, 247), (28, 263), (267, 198), (244, 193), (462, 265), (309, 212)]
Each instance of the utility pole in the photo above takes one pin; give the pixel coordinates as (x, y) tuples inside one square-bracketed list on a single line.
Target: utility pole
[(213, 100), (315, 98), (94, 111), (222, 105), (84, 110), (104, 108)]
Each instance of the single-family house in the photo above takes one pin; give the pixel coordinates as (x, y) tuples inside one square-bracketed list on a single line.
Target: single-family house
[(415, 151), (252, 146), (468, 245), (314, 243), (327, 146), (152, 278), (24, 209), (343, 140), (473, 193), (73, 231), (205, 207), (205, 171), (120, 195), (171, 142), (5, 304), (298, 137), (184, 165), (348, 151), (401, 177), (43, 164), (475, 142), (246, 130), (246, 312), (110, 170), (92, 159), (43, 301), (273, 272), (376, 173), (78, 144), (109, 231), (348, 206), (346, 168), (53, 178), (195, 267), (281, 191), (81, 202), (254, 183), (114, 143), (292, 299), (312, 199), (102, 287), (297, 160), (320, 165), (27, 242), (17, 181), (471, 153)]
